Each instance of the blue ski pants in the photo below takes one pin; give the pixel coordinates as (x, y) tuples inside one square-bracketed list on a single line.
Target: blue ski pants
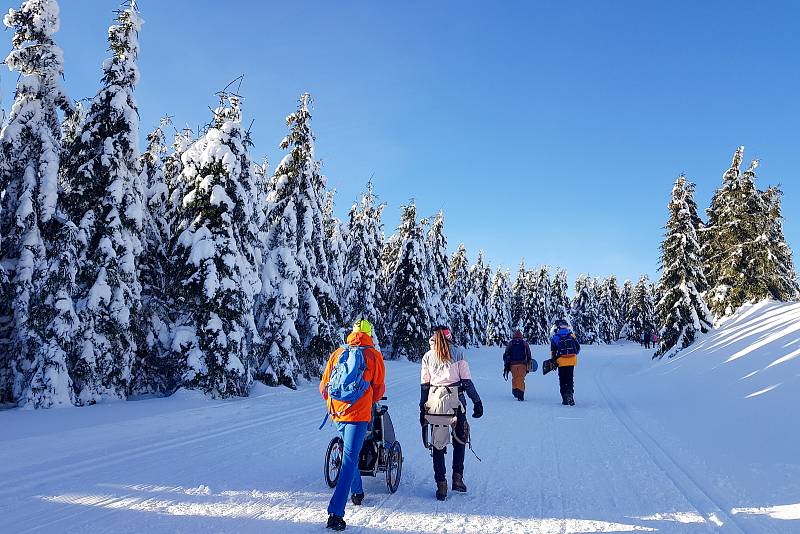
[(349, 476)]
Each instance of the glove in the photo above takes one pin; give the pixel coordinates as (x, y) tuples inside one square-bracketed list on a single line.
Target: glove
[(422, 421), (477, 410), (506, 370)]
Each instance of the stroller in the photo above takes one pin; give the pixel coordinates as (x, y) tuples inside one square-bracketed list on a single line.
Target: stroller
[(381, 452)]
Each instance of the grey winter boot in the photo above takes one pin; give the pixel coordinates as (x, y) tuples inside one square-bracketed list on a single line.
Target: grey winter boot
[(441, 490), (458, 483)]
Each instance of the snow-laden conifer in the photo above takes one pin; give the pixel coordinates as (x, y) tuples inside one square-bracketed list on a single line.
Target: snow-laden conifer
[(462, 300), (300, 308), (735, 241), (408, 324), (362, 269), (438, 271), (104, 197), (626, 300), (610, 310), (641, 319), (31, 144), (498, 331), (214, 251), (585, 312), (155, 370), (480, 279), (781, 277), (518, 298), (559, 299), (681, 311), (335, 246)]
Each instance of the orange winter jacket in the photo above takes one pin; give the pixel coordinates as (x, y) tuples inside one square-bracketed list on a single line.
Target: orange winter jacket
[(374, 374)]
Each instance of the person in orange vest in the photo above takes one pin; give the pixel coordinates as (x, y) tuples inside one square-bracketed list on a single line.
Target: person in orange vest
[(564, 349), (352, 382)]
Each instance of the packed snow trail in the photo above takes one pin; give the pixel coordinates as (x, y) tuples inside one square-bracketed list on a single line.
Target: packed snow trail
[(188, 464)]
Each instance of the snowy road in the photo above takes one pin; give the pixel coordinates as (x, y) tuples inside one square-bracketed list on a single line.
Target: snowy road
[(188, 464)]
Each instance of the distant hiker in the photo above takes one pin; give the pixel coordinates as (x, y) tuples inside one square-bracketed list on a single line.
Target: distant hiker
[(517, 361), (564, 349), (654, 339), (352, 382), (445, 376), (646, 340)]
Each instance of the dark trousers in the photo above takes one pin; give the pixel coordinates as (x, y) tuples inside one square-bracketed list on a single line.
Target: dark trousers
[(566, 375), (439, 469)]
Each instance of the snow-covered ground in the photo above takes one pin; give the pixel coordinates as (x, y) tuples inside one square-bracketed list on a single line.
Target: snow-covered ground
[(708, 441)]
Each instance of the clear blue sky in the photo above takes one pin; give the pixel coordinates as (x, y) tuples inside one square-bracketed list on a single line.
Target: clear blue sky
[(546, 130)]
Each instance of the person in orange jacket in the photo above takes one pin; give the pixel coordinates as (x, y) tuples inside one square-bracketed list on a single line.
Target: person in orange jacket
[(352, 418)]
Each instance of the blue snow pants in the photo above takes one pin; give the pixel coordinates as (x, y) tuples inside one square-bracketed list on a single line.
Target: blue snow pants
[(349, 476)]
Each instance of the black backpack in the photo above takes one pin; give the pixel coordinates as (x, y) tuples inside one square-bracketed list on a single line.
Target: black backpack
[(566, 346), (518, 354)]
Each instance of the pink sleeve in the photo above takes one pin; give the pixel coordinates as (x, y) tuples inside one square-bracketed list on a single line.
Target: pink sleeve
[(463, 370)]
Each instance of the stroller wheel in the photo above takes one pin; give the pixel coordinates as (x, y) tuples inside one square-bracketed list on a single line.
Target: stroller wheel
[(333, 461), (394, 467)]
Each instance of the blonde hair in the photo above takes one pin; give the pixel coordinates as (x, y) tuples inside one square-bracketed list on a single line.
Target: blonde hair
[(441, 347)]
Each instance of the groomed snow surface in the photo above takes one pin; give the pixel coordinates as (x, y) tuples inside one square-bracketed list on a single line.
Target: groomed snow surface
[(708, 441)]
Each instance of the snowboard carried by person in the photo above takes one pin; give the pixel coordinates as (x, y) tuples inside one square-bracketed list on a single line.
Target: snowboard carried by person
[(549, 365)]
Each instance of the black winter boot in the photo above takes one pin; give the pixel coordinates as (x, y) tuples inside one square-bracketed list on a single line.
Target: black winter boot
[(335, 522), (515, 392), (571, 400), (357, 498), (458, 483), (441, 490), (564, 400), (521, 396)]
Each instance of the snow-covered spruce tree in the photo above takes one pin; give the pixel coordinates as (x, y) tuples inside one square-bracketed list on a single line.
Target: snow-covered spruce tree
[(438, 271), (462, 300), (781, 275), (362, 268), (103, 196), (173, 167), (559, 299), (641, 318), (298, 300), (155, 368), (49, 384), (610, 310), (542, 305), (626, 299), (531, 313), (215, 257), (31, 146), (335, 247), (480, 280), (585, 314), (681, 311), (518, 298), (733, 241), (498, 331), (409, 325)]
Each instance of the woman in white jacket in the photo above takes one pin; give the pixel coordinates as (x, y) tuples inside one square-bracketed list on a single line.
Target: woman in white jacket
[(445, 371)]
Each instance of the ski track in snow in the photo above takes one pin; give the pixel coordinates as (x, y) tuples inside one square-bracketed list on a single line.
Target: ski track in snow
[(255, 465)]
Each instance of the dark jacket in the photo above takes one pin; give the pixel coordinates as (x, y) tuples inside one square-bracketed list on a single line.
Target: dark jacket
[(510, 351)]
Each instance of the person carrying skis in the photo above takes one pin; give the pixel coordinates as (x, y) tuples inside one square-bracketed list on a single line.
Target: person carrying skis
[(517, 361), (352, 382), (564, 349), (445, 377)]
